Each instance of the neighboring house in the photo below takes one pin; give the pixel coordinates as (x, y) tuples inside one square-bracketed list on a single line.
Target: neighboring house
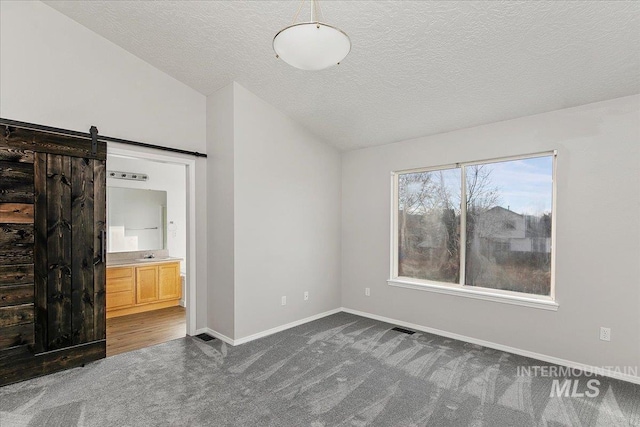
[(502, 230)]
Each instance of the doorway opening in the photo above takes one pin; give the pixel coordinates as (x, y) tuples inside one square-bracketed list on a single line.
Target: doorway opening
[(150, 250)]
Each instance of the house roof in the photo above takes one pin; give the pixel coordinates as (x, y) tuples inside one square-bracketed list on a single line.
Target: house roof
[(504, 210)]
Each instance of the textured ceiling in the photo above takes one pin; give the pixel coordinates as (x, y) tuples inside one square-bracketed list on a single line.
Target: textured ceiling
[(415, 68)]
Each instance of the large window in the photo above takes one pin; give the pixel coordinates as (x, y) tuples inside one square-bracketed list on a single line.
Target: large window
[(486, 226)]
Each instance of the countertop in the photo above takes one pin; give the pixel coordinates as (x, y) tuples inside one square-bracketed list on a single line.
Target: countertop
[(138, 262)]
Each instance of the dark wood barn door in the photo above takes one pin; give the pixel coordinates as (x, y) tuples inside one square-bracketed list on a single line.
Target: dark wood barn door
[(52, 267)]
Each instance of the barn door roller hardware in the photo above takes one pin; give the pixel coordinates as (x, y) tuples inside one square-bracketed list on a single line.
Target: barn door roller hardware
[(93, 131)]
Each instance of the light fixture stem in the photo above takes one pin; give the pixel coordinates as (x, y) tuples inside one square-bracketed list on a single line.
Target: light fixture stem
[(313, 11)]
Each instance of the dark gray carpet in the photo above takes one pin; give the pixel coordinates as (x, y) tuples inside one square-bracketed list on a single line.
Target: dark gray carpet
[(342, 370)]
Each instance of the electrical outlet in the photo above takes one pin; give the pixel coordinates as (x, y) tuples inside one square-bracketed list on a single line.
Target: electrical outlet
[(284, 300), (367, 292), (306, 296), (605, 334)]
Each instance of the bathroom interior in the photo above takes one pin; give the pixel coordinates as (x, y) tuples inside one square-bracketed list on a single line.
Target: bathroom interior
[(146, 253)]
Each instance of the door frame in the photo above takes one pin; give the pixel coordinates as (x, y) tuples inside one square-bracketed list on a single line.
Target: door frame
[(116, 149)]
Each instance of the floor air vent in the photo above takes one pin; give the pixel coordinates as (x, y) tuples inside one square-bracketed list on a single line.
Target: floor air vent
[(205, 337), (404, 331)]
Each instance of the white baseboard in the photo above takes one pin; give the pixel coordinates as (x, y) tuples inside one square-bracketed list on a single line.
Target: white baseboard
[(543, 357), (263, 334), (286, 326)]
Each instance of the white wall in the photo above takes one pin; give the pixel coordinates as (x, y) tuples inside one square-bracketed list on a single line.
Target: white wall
[(167, 177), (287, 218), (274, 208), (54, 71), (598, 234), (220, 196)]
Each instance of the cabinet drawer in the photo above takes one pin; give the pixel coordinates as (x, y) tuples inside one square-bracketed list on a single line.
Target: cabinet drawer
[(120, 299), (120, 279), (119, 272), (120, 284)]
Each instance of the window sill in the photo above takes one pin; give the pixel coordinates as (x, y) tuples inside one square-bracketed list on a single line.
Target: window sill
[(543, 303)]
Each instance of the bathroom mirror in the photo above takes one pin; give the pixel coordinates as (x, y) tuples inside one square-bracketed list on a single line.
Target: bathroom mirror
[(136, 219)]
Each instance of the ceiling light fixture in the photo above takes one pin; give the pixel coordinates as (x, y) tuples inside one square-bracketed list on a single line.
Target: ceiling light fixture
[(311, 45)]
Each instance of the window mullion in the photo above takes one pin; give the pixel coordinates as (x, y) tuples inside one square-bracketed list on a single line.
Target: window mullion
[(463, 224)]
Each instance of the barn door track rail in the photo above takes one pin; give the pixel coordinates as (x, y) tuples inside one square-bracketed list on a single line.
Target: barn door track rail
[(93, 136)]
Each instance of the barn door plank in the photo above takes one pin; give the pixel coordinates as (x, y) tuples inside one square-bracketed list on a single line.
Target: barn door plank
[(99, 247), (40, 255), (15, 335), (15, 154), (16, 274), (16, 182), (16, 315), (16, 213), (59, 251), (16, 295), (16, 244), (82, 254)]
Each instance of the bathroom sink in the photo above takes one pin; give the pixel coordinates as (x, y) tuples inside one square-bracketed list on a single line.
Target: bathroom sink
[(154, 259)]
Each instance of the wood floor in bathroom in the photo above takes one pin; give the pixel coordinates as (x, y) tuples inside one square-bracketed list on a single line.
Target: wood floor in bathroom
[(135, 331)]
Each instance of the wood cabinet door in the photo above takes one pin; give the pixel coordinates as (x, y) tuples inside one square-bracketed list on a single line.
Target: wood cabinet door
[(170, 285), (146, 284), (52, 266)]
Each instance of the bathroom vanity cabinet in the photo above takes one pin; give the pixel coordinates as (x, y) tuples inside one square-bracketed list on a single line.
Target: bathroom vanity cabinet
[(136, 288)]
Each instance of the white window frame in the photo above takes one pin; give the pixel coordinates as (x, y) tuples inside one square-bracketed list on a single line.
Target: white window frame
[(545, 302)]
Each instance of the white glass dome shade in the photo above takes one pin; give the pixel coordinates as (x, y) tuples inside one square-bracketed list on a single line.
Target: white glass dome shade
[(311, 45)]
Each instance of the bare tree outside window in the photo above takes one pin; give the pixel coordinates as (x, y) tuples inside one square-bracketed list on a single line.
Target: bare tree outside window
[(429, 225)]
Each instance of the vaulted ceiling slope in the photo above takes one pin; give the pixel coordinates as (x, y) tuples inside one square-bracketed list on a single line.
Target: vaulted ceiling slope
[(416, 68)]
